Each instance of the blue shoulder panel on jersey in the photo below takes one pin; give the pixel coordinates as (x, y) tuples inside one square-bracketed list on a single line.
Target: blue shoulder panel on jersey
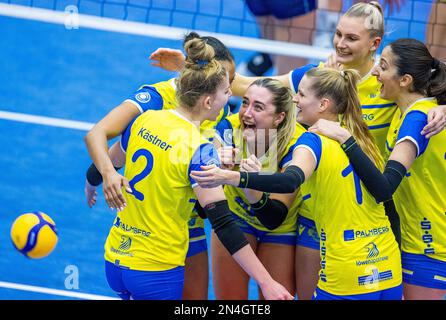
[(298, 74), (147, 98), (126, 135), (224, 131), (226, 111), (313, 142), (205, 155), (289, 155), (411, 127)]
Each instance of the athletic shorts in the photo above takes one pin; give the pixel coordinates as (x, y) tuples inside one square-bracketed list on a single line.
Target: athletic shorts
[(197, 242), (395, 293), (145, 285), (421, 270), (281, 9), (265, 236), (307, 235)]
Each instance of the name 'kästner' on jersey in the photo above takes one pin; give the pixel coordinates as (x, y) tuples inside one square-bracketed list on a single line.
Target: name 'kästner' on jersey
[(145, 134)]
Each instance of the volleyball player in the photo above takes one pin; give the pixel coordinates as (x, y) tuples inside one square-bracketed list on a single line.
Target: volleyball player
[(416, 168), (356, 41), (265, 127), (146, 247), (360, 259), (154, 97)]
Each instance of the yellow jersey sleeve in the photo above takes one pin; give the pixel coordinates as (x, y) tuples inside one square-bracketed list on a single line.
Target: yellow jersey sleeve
[(420, 198)]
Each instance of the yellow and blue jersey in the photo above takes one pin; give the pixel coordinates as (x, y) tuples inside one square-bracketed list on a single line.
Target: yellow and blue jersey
[(376, 111), (358, 250), (158, 96), (296, 75), (421, 197), (229, 132), (304, 205), (151, 233), (162, 96)]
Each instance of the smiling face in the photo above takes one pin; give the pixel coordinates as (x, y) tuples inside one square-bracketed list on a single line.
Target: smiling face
[(307, 103), (386, 74), (353, 43), (258, 112)]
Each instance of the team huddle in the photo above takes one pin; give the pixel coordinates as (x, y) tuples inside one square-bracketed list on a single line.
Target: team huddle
[(327, 184)]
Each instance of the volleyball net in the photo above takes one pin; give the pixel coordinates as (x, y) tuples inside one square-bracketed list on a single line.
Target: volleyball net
[(231, 21)]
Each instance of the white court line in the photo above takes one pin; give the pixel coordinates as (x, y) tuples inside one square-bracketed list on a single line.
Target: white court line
[(163, 32), (47, 121), (63, 293)]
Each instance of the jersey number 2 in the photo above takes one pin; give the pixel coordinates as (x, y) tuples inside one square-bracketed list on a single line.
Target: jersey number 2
[(144, 173)]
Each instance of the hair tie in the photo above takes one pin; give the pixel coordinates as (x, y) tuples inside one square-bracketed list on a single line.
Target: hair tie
[(342, 73), (202, 63), (435, 65)]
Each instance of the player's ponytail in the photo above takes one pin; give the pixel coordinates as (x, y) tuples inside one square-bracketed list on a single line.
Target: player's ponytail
[(340, 87), (437, 85), (429, 74), (201, 75), (352, 118)]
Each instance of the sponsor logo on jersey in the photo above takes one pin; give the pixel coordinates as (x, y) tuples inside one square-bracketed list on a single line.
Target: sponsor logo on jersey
[(322, 275), (372, 250), (128, 228), (122, 253), (351, 234), (126, 243), (143, 97), (375, 277), (372, 255)]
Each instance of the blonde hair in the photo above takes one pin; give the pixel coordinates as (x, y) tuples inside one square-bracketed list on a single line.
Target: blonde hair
[(372, 13), (283, 102), (201, 74), (341, 88)]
